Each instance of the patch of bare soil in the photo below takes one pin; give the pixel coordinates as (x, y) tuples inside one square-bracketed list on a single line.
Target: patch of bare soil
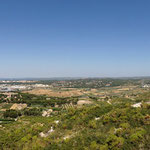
[(55, 93)]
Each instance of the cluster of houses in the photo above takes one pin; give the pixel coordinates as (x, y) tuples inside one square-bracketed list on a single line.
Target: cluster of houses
[(15, 87), (16, 81), (146, 86)]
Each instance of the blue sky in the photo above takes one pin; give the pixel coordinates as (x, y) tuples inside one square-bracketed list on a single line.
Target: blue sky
[(74, 38)]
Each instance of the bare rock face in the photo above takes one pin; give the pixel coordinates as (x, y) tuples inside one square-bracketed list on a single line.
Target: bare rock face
[(140, 104), (47, 134), (83, 102), (47, 113), (18, 106), (137, 105)]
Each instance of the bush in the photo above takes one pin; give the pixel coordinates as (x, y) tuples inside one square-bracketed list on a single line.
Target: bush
[(11, 114), (32, 112), (114, 142), (138, 136), (92, 124)]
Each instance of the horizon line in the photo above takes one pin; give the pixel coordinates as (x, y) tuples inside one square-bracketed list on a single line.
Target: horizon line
[(88, 77)]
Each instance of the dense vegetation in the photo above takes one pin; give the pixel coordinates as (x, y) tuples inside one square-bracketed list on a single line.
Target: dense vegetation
[(96, 127), (110, 122), (31, 99)]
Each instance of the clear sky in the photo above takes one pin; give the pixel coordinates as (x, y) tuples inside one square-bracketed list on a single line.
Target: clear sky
[(74, 38)]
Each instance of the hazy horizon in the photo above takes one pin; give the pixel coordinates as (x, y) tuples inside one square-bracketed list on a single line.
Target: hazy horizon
[(48, 39), (68, 78)]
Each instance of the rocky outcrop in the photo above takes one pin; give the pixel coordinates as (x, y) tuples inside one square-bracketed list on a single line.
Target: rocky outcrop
[(83, 102), (18, 106), (47, 113)]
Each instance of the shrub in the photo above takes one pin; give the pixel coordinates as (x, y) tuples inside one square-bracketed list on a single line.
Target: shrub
[(11, 114), (114, 142), (32, 112)]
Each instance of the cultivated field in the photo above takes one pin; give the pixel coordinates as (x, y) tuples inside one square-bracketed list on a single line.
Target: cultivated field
[(55, 93)]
